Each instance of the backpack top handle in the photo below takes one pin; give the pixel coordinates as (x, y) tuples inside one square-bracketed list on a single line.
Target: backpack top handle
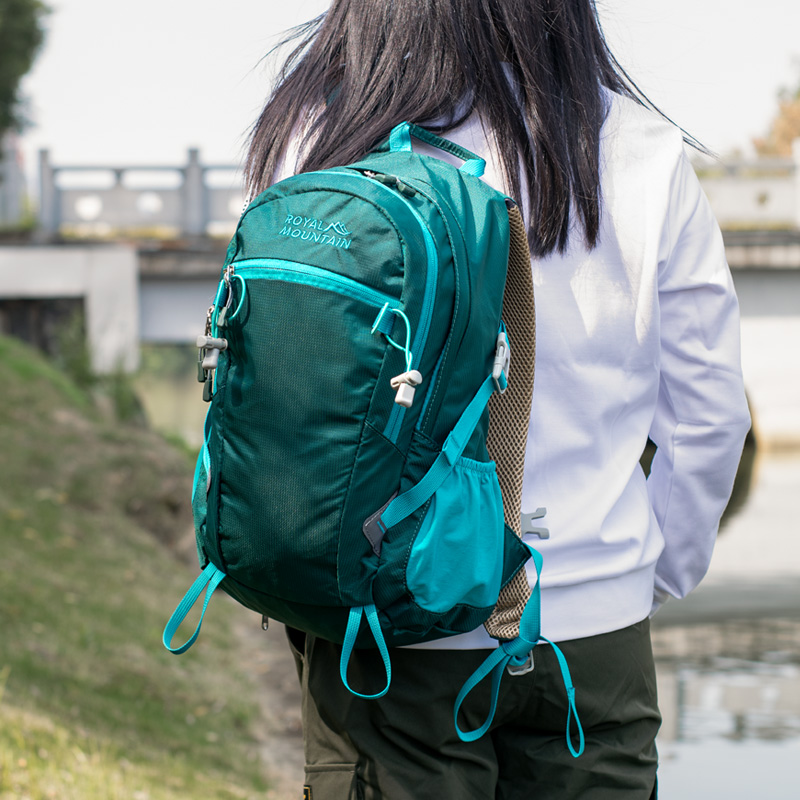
[(400, 140)]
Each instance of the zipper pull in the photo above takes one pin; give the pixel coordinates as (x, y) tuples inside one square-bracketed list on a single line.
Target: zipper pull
[(222, 314), (392, 181)]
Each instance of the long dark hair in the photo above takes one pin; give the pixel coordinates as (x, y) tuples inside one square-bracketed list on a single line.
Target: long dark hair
[(533, 70)]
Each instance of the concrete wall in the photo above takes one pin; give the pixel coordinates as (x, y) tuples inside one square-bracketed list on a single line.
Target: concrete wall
[(754, 201), (105, 277), (12, 182), (763, 193), (174, 311), (770, 306)]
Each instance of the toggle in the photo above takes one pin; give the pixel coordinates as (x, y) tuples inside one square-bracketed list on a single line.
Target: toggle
[(213, 347), (405, 384)]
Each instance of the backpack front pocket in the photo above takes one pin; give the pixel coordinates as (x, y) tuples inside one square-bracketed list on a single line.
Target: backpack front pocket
[(303, 363), (456, 558)]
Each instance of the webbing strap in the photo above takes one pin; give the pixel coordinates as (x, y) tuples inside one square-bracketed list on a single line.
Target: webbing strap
[(407, 503), (208, 579), (509, 416), (351, 634), (515, 653)]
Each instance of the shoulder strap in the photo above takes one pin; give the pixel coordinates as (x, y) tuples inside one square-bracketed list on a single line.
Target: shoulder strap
[(510, 413)]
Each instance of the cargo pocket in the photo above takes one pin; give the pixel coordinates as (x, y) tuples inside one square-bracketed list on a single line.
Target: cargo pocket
[(332, 782), (457, 555)]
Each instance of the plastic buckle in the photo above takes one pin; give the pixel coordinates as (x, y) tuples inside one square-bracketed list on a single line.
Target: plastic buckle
[(523, 669), (502, 361)]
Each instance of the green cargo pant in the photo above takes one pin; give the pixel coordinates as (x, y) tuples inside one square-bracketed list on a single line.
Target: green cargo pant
[(404, 746)]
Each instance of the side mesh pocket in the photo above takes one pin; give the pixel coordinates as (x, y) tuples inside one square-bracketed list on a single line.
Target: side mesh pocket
[(202, 482), (457, 554)]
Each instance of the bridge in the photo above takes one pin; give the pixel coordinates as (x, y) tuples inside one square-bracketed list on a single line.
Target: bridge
[(140, 247)]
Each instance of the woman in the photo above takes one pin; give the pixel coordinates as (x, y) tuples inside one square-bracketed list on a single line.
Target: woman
[(637, 335)]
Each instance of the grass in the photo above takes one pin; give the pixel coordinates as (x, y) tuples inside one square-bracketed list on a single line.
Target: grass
[(91, 705)]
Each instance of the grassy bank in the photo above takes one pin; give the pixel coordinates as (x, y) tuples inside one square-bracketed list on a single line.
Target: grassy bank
[(91, 705)]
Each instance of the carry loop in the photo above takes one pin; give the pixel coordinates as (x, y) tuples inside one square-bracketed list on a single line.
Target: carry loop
[(516, 656), (400, 139), (353, 625), (208, 579)]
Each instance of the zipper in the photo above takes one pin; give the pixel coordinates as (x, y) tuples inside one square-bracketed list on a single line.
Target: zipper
[(293, 272), (429, 393), (392, 430), (402, 191)]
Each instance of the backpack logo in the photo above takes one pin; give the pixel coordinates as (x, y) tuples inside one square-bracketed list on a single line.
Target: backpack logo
[(312, 229)]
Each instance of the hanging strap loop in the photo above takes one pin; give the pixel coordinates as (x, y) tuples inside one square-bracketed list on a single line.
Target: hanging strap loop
[(351, 634), (516, 654), (400, 140), (208, 579), (572, 711)]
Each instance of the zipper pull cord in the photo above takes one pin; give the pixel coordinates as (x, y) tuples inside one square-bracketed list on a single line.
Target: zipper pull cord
[(405, 349), (406, 382)]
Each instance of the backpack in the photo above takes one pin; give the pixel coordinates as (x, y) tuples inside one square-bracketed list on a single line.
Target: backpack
[(355, 340)]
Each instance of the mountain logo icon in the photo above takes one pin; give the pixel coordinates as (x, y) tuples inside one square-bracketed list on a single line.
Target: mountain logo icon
[(338, 227)]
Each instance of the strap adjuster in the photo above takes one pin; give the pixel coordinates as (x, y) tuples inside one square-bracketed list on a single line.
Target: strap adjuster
[(502, 361), (521, 669)]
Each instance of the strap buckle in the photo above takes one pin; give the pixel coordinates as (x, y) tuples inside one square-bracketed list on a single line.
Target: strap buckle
[(502, 361), (522, 669)]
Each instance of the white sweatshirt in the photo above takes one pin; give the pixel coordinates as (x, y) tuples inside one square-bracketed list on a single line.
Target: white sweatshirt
[(637, 337)]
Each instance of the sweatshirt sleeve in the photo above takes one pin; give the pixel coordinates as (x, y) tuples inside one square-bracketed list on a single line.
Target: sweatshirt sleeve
[(701, 417)]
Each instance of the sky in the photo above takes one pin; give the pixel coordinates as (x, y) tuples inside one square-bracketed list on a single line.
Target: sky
[(139, 83)]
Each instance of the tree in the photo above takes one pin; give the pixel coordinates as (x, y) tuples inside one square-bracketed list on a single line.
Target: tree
[(21, 36), (785, 127)]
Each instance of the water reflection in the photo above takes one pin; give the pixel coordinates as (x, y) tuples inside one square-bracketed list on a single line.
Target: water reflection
[(728, 657), (734, 680)]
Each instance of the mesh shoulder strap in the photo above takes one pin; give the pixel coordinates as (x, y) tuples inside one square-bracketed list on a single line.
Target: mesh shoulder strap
[(510, 414)]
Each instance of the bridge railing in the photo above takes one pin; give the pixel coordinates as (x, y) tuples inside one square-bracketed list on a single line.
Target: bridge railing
[(196, 199), (762, 193), (190, 200)]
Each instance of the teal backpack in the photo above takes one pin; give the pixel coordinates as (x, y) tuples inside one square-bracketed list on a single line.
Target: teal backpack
[(349, 356)]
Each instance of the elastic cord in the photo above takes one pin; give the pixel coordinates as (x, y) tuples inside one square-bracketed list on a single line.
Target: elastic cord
[(406, 350), (241, 299)]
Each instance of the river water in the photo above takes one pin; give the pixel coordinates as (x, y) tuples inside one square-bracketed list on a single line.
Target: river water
[(728, 656)]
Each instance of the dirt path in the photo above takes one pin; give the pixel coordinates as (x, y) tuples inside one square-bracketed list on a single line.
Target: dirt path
[(267, 657)]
